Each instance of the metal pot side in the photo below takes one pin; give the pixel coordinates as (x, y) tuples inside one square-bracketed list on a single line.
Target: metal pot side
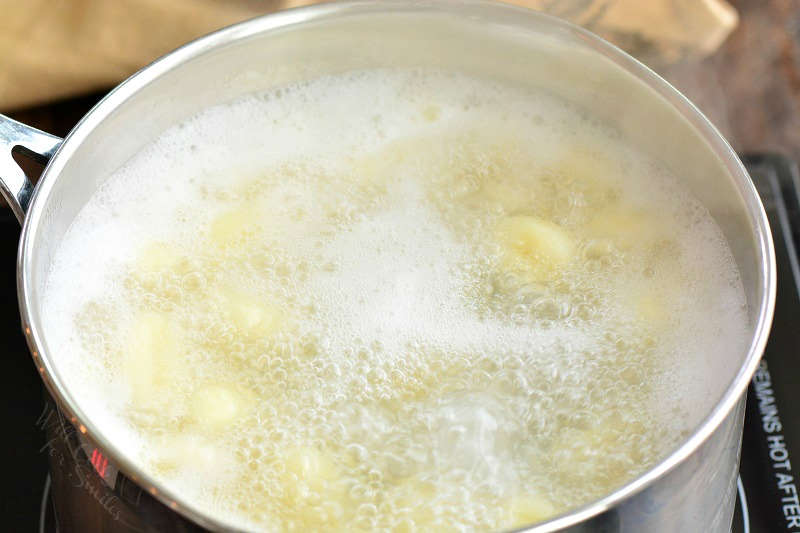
[(692, 489)]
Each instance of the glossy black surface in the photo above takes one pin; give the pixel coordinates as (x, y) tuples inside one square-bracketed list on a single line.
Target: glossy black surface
[(770, 462), (25, 466)]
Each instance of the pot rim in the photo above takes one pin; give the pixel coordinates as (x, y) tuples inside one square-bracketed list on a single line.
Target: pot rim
[(319, 12)]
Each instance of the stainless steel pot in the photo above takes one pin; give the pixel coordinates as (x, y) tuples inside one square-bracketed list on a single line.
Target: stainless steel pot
[(692, 489)]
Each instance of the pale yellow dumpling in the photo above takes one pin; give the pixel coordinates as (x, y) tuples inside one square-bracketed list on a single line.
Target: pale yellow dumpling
[(216, 406), (231, 226), (310, 466), (191, 452), (159, 257), (534, 247), (250, 316), (151, 357), (311, 476), (589, 174), (627, 227), (527, 509)]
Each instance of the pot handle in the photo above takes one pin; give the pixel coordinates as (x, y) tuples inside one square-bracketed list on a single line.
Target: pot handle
[(30, 142)]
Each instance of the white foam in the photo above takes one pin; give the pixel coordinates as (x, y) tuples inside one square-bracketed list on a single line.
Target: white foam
[(387, 277)]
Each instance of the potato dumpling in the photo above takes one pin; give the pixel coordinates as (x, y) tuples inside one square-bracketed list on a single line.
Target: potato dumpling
[(252, 317), (527, 509), (216, 406), (585, 163), (184, 451), (152, 357), (535, 247), (311, 475), (160, 257), (590, 173), (311, 466), (649, 306), (627, 227), (230, 227), (314, 497), (377, 167)]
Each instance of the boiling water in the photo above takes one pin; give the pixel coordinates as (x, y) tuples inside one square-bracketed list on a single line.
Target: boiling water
[(392, 300)]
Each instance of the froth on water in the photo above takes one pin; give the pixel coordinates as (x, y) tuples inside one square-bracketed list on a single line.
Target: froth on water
[(391, 300)]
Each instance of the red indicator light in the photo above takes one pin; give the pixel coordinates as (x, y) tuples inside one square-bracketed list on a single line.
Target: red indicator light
[(99, 462)]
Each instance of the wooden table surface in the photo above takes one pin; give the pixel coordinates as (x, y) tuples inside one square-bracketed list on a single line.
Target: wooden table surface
[(749, 88)]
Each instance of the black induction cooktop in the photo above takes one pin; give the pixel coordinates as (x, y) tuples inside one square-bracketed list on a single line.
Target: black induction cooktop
[(768, 485), (770, 464)]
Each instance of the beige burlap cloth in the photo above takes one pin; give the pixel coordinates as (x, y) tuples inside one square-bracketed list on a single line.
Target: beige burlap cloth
[(53, 49)]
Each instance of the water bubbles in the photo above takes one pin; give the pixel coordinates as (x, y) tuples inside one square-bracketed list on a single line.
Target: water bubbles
[(382, 365), (194, 281)]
